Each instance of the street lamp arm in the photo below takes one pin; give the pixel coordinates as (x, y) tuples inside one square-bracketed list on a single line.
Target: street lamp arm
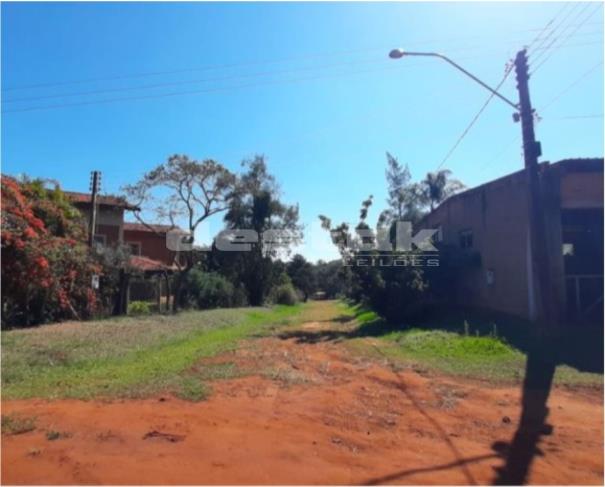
[(397, 53)]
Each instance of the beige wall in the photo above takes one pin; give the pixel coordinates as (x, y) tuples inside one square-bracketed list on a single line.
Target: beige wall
[(582, 190), (496, 214), (110, 221)]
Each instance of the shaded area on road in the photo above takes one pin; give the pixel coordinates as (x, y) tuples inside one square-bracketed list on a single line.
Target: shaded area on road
[(578, 348)]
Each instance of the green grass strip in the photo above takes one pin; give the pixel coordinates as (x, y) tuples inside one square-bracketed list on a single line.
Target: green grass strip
[(144, 371)]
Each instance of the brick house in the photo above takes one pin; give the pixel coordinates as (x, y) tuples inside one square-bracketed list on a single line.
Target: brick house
[(149, 241), (110, 215), (490, 222)]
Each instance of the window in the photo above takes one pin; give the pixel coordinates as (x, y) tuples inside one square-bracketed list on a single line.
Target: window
[(490, 277), (99, 239), (568, 249), (135, 248), (466, 239)]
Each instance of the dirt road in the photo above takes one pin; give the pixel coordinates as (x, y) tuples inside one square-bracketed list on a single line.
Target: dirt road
[(313, 413)]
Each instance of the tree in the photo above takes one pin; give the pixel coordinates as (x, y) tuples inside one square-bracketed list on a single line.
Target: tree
[(47, 267), (302, 275), (257, 206), (405, 198), (392, 291), (333, 278), (183, 190), (438, 186)]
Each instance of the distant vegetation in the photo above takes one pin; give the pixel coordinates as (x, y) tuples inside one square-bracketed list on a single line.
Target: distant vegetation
[(394, 292)]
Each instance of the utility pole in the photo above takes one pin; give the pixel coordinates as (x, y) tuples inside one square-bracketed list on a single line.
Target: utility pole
[(95, 182), (537, 226)]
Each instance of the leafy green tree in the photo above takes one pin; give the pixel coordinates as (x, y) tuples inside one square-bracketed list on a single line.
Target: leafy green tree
[(438, 186), (256, 205), (184, 191), (391, 291), (405, 198), (302, 275), (333, 278)]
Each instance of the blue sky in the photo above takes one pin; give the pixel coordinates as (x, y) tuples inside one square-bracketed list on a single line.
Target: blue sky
[(308, 85)]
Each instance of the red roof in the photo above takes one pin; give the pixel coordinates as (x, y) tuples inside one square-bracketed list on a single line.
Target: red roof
[(102, 200), (146, 264), (139, 227)]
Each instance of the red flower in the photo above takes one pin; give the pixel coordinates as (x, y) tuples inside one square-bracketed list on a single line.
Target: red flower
[(29, 232)]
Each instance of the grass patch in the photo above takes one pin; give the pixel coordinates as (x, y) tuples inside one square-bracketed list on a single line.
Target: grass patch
[(458, 348), (126, 357), (191, 388), (53, 435), (13, 424)]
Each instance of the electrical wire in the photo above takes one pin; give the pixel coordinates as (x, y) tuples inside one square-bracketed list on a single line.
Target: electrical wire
[(570, 86), (475, 118), (235, 65), (541, 110), (564, 21), (212, 89), (562, 43), (550, 22), (199, 91), (575, 117), (194, 81)]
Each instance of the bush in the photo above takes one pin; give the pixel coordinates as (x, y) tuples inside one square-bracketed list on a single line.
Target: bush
[(47, 267), (240, 297), (139, 308), (206, 290), (284, 294)]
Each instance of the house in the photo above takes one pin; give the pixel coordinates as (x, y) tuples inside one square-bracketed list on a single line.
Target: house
[(110, 215), (149, 253), (147, 244), (490, 223), (149, 241)]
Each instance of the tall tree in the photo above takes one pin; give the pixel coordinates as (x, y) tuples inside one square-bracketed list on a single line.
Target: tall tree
[(404, 197), (257, 206), (184, 191), (302, 275), (438, 186)]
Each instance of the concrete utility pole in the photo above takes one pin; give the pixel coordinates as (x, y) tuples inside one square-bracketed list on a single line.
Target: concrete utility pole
[(94, 189), (537, 225)]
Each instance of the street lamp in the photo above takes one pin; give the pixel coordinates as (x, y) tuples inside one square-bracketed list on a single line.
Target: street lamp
[(531, 151), (399, 53)]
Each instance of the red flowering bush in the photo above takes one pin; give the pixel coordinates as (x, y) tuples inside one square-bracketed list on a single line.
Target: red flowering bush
[(46, 266)]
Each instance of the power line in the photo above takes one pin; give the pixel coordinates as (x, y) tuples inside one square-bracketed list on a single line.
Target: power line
[(542, 109), (200, 91), (500, 154), (186, 70), (569, 36), (204, 90), (194, 81), (574, 117), (475, 118), (543, 31), (571, 85), (235, 65), (224, 78), (564, 24)]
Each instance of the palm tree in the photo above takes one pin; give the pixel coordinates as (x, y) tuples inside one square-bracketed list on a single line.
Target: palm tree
[(438, 186)]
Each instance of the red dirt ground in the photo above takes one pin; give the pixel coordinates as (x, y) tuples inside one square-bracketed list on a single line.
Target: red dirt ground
[(313, 414)]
